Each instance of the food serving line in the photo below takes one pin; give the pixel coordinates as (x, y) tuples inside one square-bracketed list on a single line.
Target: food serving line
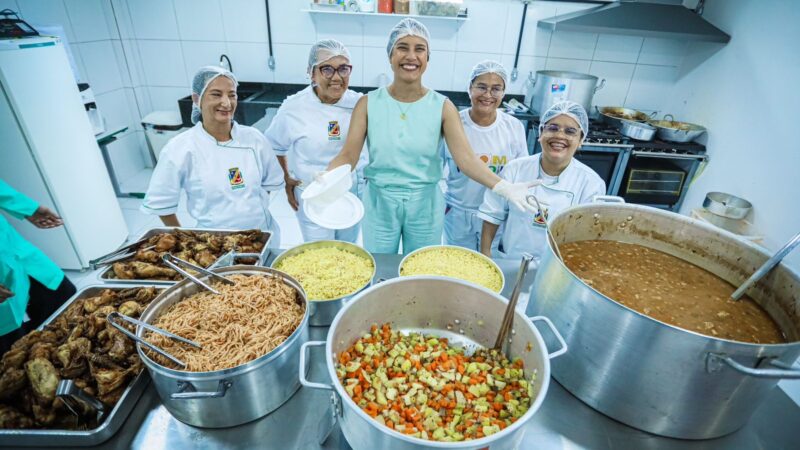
[(563, 421)]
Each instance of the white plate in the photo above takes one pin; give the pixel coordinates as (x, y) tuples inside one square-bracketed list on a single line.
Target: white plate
[(332, 185), (342, 213)]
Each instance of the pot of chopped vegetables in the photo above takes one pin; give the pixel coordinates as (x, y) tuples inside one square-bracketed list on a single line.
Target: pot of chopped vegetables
[(412, 367)]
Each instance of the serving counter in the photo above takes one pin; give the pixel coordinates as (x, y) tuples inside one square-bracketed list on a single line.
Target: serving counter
[(563, 422)]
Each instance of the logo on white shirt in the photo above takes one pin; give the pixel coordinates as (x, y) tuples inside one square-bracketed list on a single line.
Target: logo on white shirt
[(235, 178), (334, 131), (496, 163)]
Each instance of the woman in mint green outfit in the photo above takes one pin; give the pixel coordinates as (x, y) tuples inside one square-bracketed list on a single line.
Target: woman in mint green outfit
[(404, 124), (29, 281)]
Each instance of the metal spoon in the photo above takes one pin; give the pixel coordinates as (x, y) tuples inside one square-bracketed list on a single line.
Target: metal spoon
[(767, 266), (508, 316)]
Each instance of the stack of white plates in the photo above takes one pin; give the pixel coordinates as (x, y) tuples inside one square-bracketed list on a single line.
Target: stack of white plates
[(329, 203)]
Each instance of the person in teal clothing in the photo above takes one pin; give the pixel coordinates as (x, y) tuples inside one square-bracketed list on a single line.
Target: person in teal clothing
[(30, 283), (404, 124)]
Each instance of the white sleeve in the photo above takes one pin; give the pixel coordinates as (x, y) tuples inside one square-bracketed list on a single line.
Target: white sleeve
[(494, 208), (594, 186), (519, 146), (272, 177), (278, 133), (165, 184)]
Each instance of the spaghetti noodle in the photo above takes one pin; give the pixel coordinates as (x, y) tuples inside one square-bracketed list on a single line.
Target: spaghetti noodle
[(248, 320)]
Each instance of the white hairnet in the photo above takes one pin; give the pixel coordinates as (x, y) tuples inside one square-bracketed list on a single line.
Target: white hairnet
[(570, 109), (324, 50), (408, 27), (202, 78), (488, 66)]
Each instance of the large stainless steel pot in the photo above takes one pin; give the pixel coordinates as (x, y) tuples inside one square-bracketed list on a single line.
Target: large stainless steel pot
[(463, 312), (552, 86), (645, 373), (230, 397), (614, 115), (322, 312)]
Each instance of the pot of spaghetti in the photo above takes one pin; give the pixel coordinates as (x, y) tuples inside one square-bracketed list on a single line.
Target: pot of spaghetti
[(249, 336)]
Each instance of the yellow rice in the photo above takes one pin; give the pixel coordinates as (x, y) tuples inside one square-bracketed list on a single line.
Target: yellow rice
[(328, 273), (453, 262)]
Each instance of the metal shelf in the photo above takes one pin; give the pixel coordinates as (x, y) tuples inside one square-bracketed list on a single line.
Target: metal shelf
[(354, 13)]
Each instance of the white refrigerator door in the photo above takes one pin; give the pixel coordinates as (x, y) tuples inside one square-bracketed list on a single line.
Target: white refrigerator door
[(48, 113)]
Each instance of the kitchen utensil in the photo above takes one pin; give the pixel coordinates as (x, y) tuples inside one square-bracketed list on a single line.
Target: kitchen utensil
[(117, 255), (614, 115), (322, 312), (72, 396), (641, 131), (532, 200), (111, 318), (175, 264), (768, 265), (552, 86), (675, 131), (229, 397), (727, 205), (468, 315), (508, 316), (648, 374)]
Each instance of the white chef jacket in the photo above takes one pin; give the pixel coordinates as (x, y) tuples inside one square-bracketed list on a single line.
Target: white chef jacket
[(525, 232), (227, 184), (311, 133), (496, 145)]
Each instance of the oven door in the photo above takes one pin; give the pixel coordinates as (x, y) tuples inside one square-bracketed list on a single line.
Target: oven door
[(658, 179)]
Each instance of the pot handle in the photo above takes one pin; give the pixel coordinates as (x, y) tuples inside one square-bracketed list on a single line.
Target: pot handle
[(600, 85), (186, 391), (714, 362), (302, 372), (607, 199), (555, 332)]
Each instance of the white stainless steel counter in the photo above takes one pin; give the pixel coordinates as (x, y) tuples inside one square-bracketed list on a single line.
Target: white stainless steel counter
[(563, 422)]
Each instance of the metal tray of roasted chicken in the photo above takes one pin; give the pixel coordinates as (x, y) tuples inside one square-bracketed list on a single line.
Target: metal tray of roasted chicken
[(141, 262), (107, 368)]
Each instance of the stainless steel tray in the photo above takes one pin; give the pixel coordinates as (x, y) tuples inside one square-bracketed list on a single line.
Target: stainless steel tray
[(115, 418), (262, 260)]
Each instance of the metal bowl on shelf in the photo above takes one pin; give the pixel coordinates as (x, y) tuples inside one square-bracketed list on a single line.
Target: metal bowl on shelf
[(640, 131), (727, 205)]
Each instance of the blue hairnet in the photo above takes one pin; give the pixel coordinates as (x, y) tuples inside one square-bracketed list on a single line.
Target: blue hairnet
[(408, 27), (488, 66), (570, 109), (204, 77), (324, 50)]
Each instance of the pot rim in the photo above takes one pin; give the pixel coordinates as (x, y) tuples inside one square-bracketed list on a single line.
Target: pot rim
[(693, 221), (241, 369), (432, 247), (330, 243), (484, 441), (567, 74)]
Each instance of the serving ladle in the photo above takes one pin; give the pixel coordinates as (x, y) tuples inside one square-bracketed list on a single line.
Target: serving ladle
[(532, 200), (766, 267), (508, 316)]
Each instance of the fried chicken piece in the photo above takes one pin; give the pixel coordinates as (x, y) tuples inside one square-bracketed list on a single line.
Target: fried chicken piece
[(111, 398), (214, 242), (43, 377), (45, 413), (48, 336), (11, 418), (109, 379), (121, 346), (72, 357), (150, 271), (205, 258), (131, 309), (166, 242), (11, 381), (145, 295), (43, 350), (123, 271), (92, 304), (147, 256), (13, 359)]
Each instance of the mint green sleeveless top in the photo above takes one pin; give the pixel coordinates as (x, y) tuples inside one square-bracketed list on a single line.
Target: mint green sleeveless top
[(404, 152)]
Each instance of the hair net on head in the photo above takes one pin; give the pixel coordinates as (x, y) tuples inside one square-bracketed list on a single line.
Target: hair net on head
[(324, 50), (488, 66), (202, 78), (408, 27), (570, 109)]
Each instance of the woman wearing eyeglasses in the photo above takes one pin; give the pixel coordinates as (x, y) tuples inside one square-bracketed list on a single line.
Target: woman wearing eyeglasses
[(404, 124), (496, 137), (564, 181), (310, 129)]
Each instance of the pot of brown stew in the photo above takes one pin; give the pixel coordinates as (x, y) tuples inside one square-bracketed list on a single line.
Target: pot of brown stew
[(642, 299)]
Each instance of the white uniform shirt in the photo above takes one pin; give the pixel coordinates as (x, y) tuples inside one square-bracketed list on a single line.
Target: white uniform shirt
[(226, 184), (525, 232), (311, 133), (495, 145)]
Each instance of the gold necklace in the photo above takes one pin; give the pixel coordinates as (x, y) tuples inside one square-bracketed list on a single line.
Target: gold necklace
[(403, 113)]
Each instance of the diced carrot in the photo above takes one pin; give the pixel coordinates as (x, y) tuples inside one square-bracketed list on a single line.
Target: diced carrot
[(460, 368), (507, 396), (497, 406), (390, 424)]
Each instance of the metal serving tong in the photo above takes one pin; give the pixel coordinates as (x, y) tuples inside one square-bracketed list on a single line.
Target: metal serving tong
[(508, 317), (111, 318), (229, 258), (535, 201), (767, 266), (174, 263), (119, 254), (73, 396)]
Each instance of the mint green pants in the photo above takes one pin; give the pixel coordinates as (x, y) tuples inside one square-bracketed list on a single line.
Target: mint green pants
[(414, 214)]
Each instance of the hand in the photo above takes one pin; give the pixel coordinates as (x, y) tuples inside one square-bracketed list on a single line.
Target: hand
[(45, 218), (515, 193), (290, 185), (5, 293)]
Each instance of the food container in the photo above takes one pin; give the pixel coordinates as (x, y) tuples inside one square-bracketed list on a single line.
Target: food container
[(114, 418), (553, 86), (385, 6), (440, 8), (401, 6), (466, 250), (727, 205), (229, 397), (614, 115), (640, 131), (432, 305), (103, 275), (675, 131), (322, 312), (648, 374)]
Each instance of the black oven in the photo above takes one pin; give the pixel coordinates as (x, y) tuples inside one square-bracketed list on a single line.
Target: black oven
[(660, 177)]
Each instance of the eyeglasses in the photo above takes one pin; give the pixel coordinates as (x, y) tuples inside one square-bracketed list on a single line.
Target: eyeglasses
[(553, 128), (327, 71), (495, 91)]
